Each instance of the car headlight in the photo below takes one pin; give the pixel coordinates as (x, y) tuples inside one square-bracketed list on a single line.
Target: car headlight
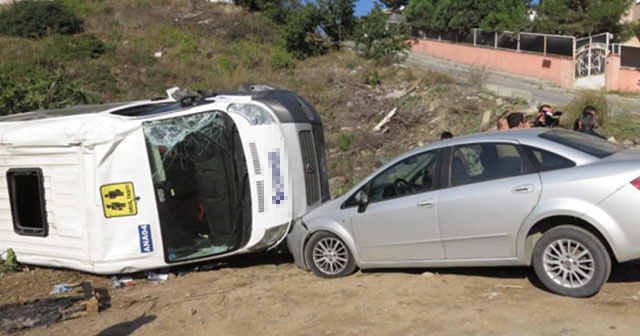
[(255, 114)]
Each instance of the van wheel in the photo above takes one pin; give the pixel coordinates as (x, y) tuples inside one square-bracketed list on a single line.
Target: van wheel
[(328, 256), (571, 261)]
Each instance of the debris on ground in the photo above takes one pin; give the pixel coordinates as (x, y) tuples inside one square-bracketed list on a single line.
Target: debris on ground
[(68, 301), (385, 120)]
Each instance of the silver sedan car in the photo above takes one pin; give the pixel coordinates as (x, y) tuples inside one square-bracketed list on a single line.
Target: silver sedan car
[(560, 201)]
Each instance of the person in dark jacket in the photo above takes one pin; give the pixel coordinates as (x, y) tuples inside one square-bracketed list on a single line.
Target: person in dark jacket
[(587, 123), (587, 110)]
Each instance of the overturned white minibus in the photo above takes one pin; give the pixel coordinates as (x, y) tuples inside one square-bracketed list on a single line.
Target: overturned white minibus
[(125, 187)]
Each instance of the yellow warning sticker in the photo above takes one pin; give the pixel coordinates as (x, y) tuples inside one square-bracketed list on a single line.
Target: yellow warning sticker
[(118, 200)]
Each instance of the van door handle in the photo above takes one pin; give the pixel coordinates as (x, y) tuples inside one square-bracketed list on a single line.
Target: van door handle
[(522, 189), (426, 204)]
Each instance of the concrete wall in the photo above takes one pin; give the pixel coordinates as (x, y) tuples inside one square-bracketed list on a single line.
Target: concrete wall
[(618, 78), (557, 69)]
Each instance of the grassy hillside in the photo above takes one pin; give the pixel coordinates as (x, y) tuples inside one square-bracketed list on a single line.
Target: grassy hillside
[(136, 49)]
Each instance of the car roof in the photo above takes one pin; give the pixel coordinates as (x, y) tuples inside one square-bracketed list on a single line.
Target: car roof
[(524, 135)]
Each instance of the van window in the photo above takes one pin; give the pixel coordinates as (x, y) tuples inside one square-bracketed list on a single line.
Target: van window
[(200, 177), (26, 195)]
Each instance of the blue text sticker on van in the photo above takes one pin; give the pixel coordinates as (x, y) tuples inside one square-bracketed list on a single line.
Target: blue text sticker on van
[(277, 180), (144, 234)]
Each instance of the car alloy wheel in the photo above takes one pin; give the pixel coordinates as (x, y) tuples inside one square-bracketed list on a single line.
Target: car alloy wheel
[(328, 256), (571, 261)]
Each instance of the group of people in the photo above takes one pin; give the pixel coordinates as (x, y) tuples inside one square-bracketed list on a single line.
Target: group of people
[(547, 117)]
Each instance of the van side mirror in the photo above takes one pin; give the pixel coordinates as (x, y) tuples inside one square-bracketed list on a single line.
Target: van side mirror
[(362, 199)]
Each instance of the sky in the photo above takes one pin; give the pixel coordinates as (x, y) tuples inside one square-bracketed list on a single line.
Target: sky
[(363, 7)]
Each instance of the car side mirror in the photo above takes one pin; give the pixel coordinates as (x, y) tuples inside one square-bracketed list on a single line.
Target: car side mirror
[(362, 199)]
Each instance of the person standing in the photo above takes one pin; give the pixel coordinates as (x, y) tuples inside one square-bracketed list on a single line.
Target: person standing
[(587, 110), (587, 123), (502, 124), (516, 120), (547, 117)]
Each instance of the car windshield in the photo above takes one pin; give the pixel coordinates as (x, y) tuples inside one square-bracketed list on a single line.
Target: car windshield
[(198, 169), (585, 143)]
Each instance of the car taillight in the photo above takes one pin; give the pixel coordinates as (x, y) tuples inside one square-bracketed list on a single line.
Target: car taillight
[(636, 183)]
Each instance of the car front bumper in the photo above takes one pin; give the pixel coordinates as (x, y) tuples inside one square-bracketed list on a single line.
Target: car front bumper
[(295, 242)]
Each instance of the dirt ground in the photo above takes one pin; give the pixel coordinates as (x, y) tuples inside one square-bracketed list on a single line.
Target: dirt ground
[(268, 295)]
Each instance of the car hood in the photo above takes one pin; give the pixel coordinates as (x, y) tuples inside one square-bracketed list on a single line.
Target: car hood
[(329, 209)]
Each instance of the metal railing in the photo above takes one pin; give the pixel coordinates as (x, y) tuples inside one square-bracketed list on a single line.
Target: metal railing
[(560, 45), (629, 55)]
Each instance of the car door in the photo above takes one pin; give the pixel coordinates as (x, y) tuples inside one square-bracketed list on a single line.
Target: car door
[(492, 188), (400, 221)]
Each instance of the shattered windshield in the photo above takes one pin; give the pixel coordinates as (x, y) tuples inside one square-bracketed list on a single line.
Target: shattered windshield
[(199, 174)]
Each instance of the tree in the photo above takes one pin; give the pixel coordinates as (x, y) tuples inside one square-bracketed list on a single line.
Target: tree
[(394, 5), (301, 37), (460, 16), (457, 16), (337, 18), (508, 15), (582, 18), (376, 39), (32, 18), (420, 13)]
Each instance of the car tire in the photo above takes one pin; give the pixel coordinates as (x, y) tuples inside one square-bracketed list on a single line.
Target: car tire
[(328, 256), (571, 261)]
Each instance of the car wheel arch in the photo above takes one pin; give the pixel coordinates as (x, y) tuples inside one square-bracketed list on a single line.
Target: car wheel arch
[(339, 232), (538, 229)]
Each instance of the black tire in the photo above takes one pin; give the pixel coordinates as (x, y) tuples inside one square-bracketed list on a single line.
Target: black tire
[(328, 256), (571, 261)]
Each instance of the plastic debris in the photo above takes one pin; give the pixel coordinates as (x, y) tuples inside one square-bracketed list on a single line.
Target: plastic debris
[(115, 282), (61, 288), (157, 276), (127, 281)]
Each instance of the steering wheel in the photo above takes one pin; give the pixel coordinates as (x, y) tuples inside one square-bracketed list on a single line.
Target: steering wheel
[(402, 187)]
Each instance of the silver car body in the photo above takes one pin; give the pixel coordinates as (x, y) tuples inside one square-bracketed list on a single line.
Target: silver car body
[(495, 222)]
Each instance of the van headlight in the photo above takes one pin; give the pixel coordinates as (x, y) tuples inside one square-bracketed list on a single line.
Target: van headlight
[(271, 237), (255, 114)]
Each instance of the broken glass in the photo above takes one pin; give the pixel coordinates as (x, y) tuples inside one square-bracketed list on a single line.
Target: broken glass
[(198, 188)]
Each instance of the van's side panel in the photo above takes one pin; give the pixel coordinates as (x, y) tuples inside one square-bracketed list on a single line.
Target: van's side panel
[(66, 215)]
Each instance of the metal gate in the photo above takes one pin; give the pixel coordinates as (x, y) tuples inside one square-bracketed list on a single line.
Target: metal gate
[(590, 55)]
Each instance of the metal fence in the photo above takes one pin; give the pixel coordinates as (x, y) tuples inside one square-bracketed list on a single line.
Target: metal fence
[(530, 42), (629, 55), (589, 53)]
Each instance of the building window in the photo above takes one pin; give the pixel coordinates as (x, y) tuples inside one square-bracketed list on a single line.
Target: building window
[(26, 194)]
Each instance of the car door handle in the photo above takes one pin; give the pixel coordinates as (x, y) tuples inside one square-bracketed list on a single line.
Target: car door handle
[(426, 204), (521, 189)]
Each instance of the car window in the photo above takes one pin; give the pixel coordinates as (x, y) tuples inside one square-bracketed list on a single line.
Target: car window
[(585, 143), (410, 176), (544, 160), (485, 161)]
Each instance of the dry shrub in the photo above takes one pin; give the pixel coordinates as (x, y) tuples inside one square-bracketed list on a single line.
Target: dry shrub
[(475, 76)]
